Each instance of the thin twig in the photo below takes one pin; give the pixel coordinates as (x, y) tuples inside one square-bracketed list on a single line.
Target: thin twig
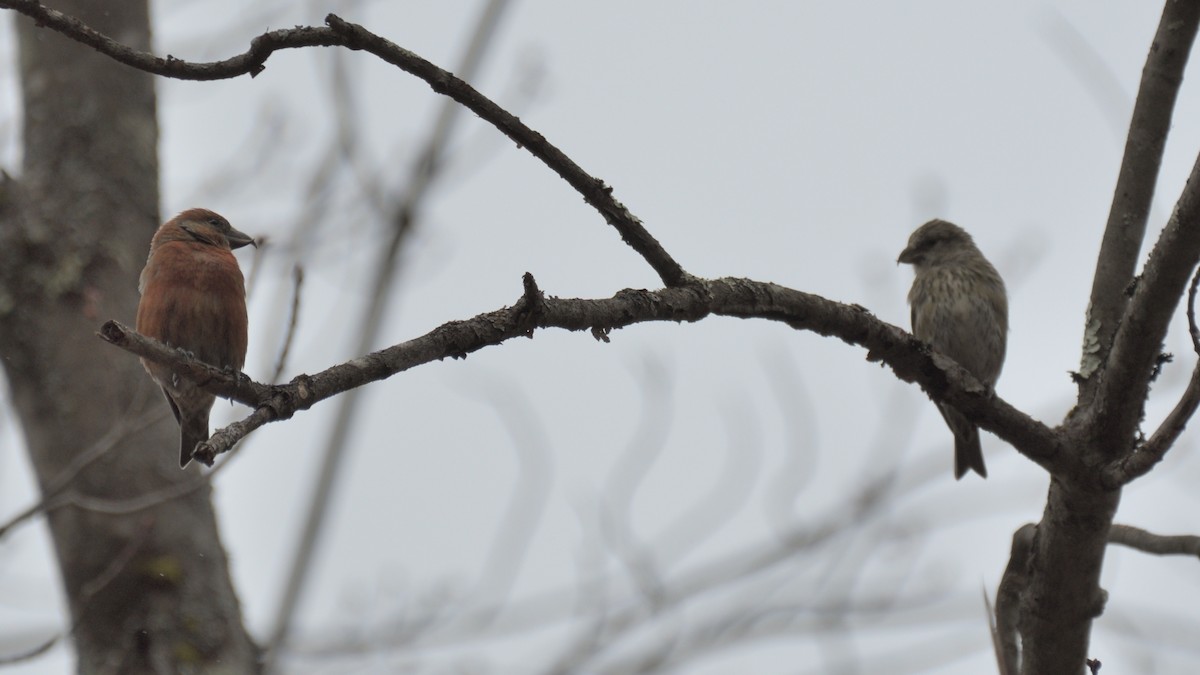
[(31, 653), (1138, 463), (54, 489), (293, 320), (129, 505), (1193, 330), (90, 590), (418, 184), (528, 497), (1158, 544)]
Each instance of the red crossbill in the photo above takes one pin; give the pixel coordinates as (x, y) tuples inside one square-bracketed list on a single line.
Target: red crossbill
[(194, 298), (960, 308)]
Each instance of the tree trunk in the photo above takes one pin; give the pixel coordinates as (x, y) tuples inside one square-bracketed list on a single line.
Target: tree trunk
[(149, 587)]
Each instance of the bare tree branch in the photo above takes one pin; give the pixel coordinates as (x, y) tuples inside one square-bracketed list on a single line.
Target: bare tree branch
[(997, 646), (32, 652), (1120, 398), (1158, 544), (403, 216), (293, 321), (608, 626), (1123, 335), (1126, 227), (53, 489), (1144, 458), (234, 386), (911, 359), (1139, 462), (352, 36), (89, 591), (1122, 339), (533, 450), (83, 109), (1008, 599), (250, 62)]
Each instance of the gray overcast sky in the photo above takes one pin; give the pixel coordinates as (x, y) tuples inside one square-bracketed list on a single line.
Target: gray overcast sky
[(794, 142)]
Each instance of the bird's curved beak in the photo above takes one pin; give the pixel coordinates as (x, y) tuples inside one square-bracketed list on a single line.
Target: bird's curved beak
[(906, 256), (238, 239)]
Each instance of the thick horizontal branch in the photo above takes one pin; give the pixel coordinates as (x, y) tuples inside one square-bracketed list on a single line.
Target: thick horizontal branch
[(743, 298), (340, 33), (911, 359)]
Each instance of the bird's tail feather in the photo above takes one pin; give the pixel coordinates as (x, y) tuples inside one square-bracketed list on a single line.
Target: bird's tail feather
[(191, 433), (968, 454)]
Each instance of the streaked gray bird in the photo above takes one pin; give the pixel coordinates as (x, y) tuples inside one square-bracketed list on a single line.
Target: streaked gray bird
[(960, 308)]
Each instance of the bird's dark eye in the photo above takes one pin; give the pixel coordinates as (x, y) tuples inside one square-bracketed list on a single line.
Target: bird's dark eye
[(215, 222)]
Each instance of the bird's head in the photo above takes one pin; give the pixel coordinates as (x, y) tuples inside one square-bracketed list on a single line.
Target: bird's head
[(206, 227), (937, 242)]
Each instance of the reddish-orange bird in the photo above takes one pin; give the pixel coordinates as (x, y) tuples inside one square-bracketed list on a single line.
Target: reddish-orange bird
[(194, 298)]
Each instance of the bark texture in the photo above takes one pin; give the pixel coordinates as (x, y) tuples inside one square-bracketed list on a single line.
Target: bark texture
[(148, 583)]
